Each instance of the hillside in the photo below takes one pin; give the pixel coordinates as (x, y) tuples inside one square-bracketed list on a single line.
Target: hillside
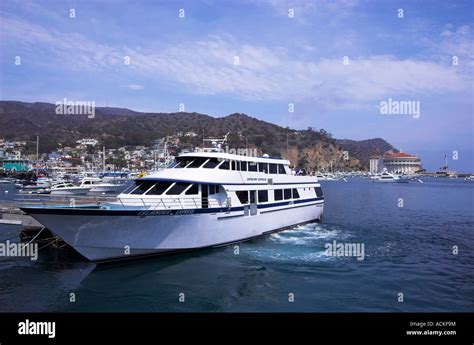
[(115, 127), (362, 150)]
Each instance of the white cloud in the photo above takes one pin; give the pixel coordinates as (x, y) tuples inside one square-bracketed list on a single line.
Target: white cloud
[(302, 7), (264, 73), (135, 87)]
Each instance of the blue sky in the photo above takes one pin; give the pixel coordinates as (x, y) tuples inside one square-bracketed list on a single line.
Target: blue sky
[(282, 60)]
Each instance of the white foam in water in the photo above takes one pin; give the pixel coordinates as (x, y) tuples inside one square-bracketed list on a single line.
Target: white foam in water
[(308, 234), (300, 244), (289, 256)]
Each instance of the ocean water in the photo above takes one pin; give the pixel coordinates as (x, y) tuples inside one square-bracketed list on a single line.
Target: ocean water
[(407, 250)]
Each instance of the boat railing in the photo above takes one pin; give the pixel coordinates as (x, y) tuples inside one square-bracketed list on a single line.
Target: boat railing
[(150, 203), (176, 203)]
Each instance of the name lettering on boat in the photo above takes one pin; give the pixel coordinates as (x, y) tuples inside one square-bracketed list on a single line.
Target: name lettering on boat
[(164, 212), (264, 179)]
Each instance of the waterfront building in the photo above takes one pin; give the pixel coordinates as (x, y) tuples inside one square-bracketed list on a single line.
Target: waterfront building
[(395, 163), (15, 165), (401, 162), (376, 164)]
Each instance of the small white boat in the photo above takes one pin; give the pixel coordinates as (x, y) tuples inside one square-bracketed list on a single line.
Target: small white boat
[(107, 188), (40, 184), (320, 176), (452, 174), (330, 177), (374, 176), (386, 177), (67, 188)]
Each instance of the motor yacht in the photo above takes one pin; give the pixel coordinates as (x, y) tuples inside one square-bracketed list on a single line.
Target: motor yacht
[(67, 188), (386, 177), (204, 199)]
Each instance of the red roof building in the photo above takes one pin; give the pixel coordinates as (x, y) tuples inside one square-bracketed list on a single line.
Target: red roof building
[(401, 162)]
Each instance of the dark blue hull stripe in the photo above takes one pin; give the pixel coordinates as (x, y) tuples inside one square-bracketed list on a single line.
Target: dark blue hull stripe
[(81, 211), (261, 212), (292, 207)]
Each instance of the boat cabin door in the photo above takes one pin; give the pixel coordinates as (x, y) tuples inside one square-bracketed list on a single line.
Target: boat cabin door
[(253, 202), (204, 196)]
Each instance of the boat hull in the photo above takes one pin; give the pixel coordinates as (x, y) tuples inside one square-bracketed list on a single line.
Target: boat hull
[(70, 191), (107, 189), (101, 235)]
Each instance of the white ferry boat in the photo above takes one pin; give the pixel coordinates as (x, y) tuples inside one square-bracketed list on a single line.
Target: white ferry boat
[(204, 199)]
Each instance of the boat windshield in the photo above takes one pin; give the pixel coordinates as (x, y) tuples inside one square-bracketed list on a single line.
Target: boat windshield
[(188, 162)]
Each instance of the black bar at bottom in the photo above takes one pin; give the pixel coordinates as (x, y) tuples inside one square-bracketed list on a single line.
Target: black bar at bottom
[(239, 328)]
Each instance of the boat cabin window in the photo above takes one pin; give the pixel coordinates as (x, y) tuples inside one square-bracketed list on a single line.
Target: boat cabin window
[(225, 165), (197, 162), (253, 197), (252, 166), (178, 188), (287, 194), (263, 167), (281, 169), (130, 188), (233, 165), (142, 186), (211, 163), (278, 194), (296, 195), (273, 168), (182, 162), (243, 196), (193, 190), (243, 166), (262, 196), (159, 188), (213, 189), (318, 191)]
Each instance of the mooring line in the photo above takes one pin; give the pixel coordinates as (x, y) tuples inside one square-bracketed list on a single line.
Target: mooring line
[(33, 238), (46, 245)]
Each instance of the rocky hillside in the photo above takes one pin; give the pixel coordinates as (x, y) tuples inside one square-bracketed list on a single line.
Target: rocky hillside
[(115, 127), (362, 150)]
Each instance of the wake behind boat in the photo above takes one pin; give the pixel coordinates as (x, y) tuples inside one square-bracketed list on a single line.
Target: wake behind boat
[(204, 199)]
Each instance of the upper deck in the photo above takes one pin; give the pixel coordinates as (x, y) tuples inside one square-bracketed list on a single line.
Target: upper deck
[(228, 169), (230, 156)]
